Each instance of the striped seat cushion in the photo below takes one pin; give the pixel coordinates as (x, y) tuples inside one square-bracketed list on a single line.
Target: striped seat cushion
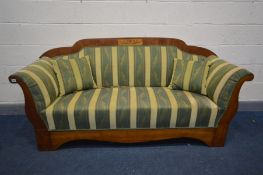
[(190, 75), (73, 74), (139, 66), (130, 108)]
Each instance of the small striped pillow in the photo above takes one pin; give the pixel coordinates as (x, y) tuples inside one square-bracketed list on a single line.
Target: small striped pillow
[(73, 74), (190, 75)]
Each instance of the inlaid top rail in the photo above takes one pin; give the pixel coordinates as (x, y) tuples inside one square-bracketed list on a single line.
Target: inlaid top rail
[(130, 42)]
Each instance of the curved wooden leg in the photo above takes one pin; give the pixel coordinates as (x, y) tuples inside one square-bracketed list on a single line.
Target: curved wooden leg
[(43, 140), (219, 137), (48, 141)]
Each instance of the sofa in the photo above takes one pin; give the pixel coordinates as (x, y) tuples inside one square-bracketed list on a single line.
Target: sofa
[(130, 90)]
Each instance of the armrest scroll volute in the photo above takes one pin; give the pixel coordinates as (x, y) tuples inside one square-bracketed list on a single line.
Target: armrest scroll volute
[(13, 79)]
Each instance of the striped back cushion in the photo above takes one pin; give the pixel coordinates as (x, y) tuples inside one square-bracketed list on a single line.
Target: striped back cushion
[(132, 65), (73, 74), (190, 75)]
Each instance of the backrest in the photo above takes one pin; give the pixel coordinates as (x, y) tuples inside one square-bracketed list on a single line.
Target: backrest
[(132, 65)]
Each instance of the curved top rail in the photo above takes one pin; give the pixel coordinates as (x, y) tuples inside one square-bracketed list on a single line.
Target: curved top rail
[(127, 41)]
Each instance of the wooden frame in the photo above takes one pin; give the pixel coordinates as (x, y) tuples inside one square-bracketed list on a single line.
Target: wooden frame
[(51, 140)]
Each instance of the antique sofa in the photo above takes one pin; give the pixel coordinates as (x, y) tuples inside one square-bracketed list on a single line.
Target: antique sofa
[(131, 101)]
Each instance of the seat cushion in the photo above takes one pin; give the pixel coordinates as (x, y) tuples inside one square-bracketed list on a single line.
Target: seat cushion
[(130, 108)]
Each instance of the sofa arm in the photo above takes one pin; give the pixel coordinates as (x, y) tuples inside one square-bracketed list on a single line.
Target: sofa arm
[(41, 81), (223, 79)]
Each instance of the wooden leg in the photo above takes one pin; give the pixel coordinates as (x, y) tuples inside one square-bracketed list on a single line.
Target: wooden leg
[(219, 137), (43, 140), (48, 141)]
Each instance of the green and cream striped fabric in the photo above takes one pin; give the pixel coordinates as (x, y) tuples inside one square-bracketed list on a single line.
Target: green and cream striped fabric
[(130, 108), (222, 80), (73, 74), (138, 66), (139, 99), (190, 75), (41, 81)]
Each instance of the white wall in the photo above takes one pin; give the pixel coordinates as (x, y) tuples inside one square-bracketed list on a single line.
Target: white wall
[(232, 29)]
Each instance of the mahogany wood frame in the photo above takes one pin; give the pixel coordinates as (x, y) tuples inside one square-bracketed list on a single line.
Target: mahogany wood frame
[(51, 140)]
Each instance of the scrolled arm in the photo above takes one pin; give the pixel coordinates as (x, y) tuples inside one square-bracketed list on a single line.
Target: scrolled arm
[(224, 82), (40, 80)]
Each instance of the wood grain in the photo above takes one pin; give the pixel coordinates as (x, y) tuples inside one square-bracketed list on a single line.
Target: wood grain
[(120, 41)]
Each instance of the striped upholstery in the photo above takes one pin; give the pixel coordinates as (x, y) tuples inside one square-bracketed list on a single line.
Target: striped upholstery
[(130, 108), (137, 66), (144, 102), (73, 74), (190, 75), (222, 79), (41, 81)]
